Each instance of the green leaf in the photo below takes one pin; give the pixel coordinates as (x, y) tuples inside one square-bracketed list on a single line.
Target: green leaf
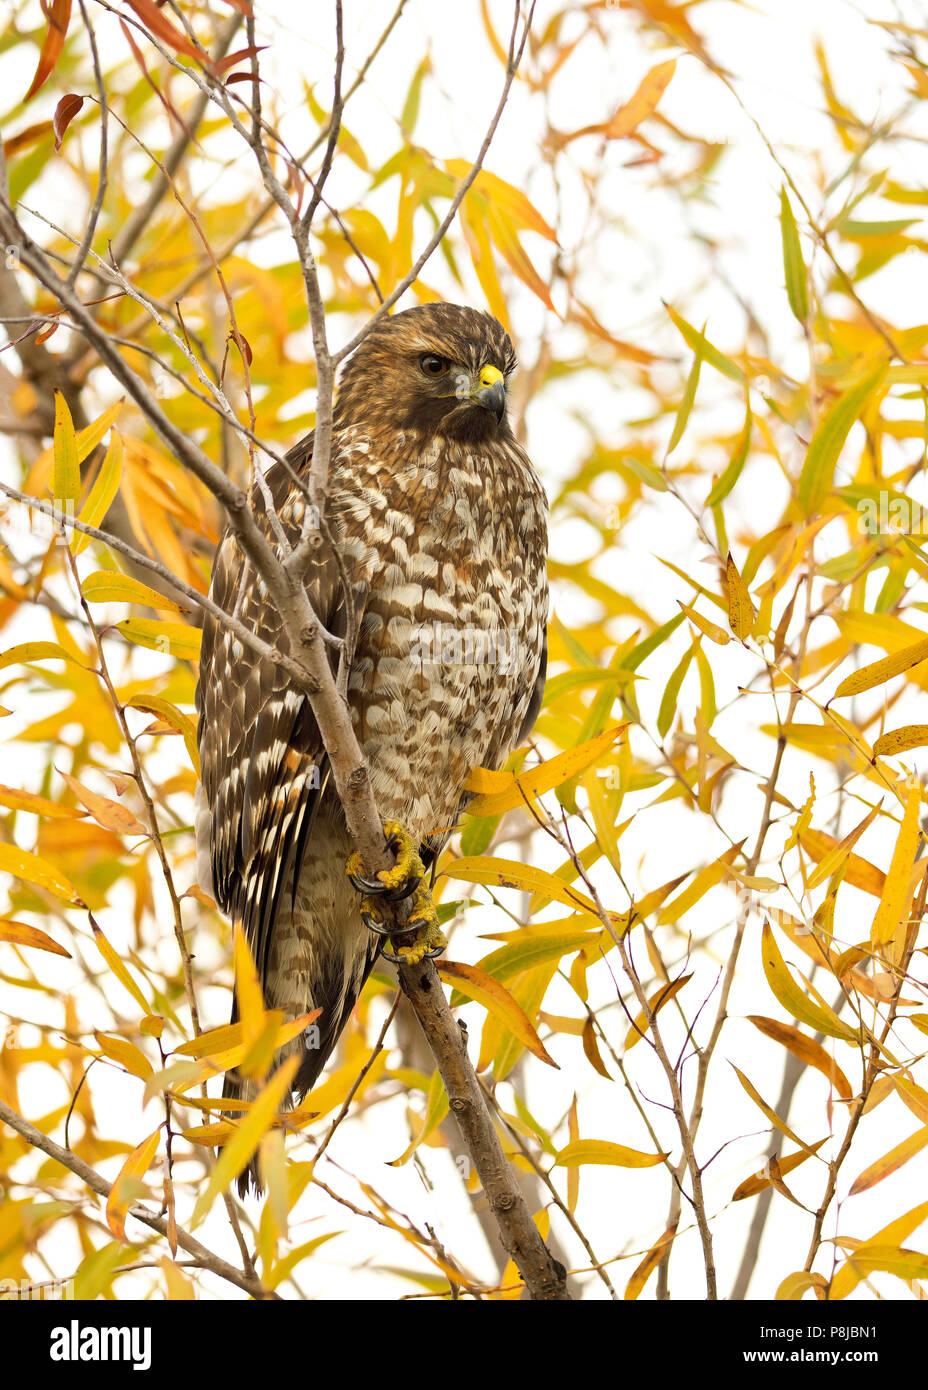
[(829, 438), (797, 289), (686, 406), (733, 472)]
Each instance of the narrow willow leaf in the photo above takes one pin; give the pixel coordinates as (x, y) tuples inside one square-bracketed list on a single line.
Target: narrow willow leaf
[(901, 740), (837, 856), (649, 1264), (657, 1001), (768, 1110), (601, 1151), (878, 672), (671, 694), (757, 1182), (102, 493), (497, 1000), (797, 289), (708, 629), (700, 343), (240, 1148), (686, 405), (795, 1285), (66, 477), (794, 1001), (508, 792), (128, 1185), (175, 638), (23, 935), (733, 472), (108, 586), (828, 440), (890, 922), (32, 869), (740, 607), (890, 1162)]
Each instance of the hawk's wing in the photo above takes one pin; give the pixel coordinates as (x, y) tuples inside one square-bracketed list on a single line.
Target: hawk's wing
[(263, 764)]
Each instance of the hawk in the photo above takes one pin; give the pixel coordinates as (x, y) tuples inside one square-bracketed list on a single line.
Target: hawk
[(435, 583)]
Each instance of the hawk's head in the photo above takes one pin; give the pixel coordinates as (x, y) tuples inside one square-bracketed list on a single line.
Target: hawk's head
[(439, 369)]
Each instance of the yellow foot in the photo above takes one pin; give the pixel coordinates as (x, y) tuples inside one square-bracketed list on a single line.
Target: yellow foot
[(397, 882), (422, 936)]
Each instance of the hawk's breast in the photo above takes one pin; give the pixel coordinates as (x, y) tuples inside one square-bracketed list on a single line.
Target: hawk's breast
[(449, 645)]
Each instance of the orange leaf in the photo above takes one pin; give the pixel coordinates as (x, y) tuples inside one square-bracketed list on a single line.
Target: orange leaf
[(160, 27), (59, 16), (497, 1000), (105, 812), (22, 935)]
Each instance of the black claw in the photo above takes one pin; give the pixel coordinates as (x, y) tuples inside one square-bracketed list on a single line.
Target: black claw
[(374, 888), (370, 886)]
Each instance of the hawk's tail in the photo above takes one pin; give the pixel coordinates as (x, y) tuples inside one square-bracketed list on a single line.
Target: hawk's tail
[(315, 1048)]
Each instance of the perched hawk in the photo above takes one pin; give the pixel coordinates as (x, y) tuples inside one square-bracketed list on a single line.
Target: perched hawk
[(440, 595)]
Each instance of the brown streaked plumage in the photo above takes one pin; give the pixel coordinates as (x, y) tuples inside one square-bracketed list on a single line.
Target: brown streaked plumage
[(440, 522)]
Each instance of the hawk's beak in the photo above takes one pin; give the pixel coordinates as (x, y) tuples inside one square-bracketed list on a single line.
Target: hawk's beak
[(491, 391)]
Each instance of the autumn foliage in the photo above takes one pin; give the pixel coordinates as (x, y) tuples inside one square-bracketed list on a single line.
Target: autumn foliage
[(686, 921)]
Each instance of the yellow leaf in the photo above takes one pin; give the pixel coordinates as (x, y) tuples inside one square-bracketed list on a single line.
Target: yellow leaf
[(849, 1275), (125, 1189), (170, 714), (650, 1263), (105, 488), (771, 1114), (794, 1001), (506, 873), (497, 1000), (893, 1259), (740, 607), (858, 872), (248, 992), (37, 805), (89, 437), (175, 639), (758, 1181), (125, 1053), (643, 102), (515, 791), (806, 1049), (66, 485), (108, 586), (657, 1001), (38, 872), (890, 1161), (890, 922), (795, 1285), (602, 1151), (711, 630), (901, 740), (239, 1150), (179, 1287), (833, 860), (36, 651), (878, 672), (119, 970), (106, 812)]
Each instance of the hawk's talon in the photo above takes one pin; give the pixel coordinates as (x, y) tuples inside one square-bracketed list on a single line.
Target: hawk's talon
[(420, 932), (392, 884), (425, 936)]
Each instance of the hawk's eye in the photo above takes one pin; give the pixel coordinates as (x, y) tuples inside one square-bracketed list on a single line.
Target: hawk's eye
[(433, 365)]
